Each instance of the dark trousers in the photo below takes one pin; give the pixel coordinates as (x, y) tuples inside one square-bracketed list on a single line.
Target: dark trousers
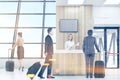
[(49, 67), (89, 63)]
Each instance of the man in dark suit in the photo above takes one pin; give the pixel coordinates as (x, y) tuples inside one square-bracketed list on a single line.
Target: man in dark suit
[(89, 43), (48, 54)]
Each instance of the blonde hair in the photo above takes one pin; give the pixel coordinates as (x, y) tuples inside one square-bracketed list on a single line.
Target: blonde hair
[(71, 37)]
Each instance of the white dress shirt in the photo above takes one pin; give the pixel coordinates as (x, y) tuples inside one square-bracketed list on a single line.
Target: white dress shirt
[(69, 45)]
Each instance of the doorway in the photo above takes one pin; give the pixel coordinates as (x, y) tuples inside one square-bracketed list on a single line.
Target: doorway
[(108, 40)]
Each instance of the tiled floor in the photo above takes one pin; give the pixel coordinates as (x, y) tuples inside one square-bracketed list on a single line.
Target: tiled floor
[(111, 74)]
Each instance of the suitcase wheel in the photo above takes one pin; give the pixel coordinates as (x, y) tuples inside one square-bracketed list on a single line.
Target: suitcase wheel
[(31, 76)]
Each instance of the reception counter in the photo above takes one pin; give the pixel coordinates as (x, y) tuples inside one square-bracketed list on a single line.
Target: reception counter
[(69, 62)]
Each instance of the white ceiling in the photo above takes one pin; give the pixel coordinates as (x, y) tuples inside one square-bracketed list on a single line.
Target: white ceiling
[(94, 2), (86, 2)]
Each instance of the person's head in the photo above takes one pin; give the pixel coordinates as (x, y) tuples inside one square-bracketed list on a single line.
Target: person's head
[(70, 37), (90, 32), (20, 34), (50, 31)]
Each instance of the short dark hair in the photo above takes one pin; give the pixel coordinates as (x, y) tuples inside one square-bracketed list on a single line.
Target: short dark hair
[(20, 34), (90, 32), (49, 30)]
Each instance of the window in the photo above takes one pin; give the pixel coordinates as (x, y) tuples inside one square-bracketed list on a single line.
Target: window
[(7, 20), (6, 35), (31, 18), (50, 7), (50, 20), (31, 7), (8, 7), (30, 21), (31, 35)]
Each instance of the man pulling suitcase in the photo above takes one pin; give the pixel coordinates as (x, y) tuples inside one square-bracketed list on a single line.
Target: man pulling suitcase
[(88, 48)]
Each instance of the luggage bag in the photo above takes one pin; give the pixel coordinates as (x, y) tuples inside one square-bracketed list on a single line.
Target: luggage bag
[(9, 66), (32, 70), (99, 70)]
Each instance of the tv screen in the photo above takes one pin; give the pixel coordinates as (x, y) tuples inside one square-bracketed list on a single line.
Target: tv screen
[(68, 25)]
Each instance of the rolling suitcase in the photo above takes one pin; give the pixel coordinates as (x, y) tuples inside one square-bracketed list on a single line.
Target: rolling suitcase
[(99, 70), (9, 64), (32, 71)]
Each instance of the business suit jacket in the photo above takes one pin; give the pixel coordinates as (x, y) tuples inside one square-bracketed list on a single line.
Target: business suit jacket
[(48, 45), (88, 45), (49, 51)]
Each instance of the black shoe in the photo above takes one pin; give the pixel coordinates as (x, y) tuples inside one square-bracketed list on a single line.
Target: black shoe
[(87, 75), (91, 76), (41, 77), (22, 68), (50, 77), (19, 68)]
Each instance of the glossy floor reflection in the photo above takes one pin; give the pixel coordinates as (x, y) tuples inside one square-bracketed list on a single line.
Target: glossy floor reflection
[(111, 74)]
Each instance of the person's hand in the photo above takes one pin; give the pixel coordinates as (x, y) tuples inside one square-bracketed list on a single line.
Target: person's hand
[(45, 53), (78, 44), (99, 52)]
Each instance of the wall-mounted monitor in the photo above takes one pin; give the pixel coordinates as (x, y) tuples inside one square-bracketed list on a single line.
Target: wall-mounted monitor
[(68, 25)]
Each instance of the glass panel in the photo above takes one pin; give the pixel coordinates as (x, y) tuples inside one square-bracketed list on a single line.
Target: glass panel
[(50, 0), (8, 7), (7, 35), (31, 7), (99, 34), (50, 21), (53, 37), (32, 0), (119, 46), (31, 35), (50, 7), (4, 49), (7, 20), (8, 0), (30, 21), (31, 50), (112, 48)]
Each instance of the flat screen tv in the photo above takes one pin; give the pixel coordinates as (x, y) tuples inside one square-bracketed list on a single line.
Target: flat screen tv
[(68, 25)]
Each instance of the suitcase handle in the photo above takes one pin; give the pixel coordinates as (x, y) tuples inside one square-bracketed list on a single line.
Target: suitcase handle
[(99, 56), (8, 54)]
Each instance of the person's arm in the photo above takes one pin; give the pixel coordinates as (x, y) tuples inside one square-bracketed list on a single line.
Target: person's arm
[(96, 45), (83, 46), (73, 46), (14, 45), (46, 45)]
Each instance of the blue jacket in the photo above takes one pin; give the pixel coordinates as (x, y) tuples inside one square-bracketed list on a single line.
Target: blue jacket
[(48, 45), (89, 43)]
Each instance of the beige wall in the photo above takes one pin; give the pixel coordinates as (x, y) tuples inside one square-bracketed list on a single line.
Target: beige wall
[(84, 16)]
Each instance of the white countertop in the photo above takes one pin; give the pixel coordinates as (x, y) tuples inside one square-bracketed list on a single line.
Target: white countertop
[(68, 51)]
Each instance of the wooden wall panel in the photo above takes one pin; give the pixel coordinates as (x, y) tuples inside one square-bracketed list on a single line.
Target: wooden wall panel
[(70, 63), (83, 14)]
